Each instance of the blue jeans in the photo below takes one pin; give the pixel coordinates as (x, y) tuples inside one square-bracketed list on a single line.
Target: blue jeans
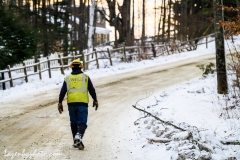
[(78, 113)]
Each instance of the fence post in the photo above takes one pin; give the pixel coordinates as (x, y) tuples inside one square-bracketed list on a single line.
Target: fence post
[(85, 60), (61, 64), (179, 51), (206, 41), (25, 72), (10, 76), (167, 49), (39, 70), (153, 50), (73, 56), (109, 55), (49, 67), (139, 54), (3, 84), (124, 54), (96, 59)]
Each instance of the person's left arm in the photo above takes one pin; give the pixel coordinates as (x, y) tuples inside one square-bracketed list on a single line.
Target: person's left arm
[(92, 92)]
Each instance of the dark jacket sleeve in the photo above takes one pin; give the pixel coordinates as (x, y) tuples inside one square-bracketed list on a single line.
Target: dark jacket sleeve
[(91, 90), (62, 92)]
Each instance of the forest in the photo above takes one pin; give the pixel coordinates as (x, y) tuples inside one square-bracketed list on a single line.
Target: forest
[(33, 27)]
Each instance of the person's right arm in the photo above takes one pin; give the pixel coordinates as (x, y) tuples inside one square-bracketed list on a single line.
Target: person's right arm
[(62, 92)]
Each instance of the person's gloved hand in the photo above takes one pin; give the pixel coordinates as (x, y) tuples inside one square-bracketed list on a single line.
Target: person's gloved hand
[(95, 104), (60, 108)]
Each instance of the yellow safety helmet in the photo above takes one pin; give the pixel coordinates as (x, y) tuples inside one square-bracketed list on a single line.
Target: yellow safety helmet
[(76, 61)]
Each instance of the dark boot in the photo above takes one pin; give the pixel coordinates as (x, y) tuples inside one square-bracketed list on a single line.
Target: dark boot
[(81, 146), (81, 131), (77, 140)]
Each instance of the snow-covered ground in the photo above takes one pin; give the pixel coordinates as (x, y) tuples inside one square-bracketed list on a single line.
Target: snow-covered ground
[(195, 107)]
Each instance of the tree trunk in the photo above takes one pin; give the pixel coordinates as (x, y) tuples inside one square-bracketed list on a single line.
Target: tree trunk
[(91, 24), (183, 23), (35, 11), (124, 29), (85, 17), (81, 32), (122, 21), (164, 21), (132, 28), (94, 25), (155, 18), (74, 44), (115, 33), (66, 31), (222, 85), (143, 25), (169, 19), (175, 25), (44, 24), (159, 23)]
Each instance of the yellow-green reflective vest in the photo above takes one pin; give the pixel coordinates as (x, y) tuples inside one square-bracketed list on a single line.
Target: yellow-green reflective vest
[(77, 88)]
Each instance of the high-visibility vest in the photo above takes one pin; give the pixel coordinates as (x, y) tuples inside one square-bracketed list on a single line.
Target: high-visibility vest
[(77, 88)]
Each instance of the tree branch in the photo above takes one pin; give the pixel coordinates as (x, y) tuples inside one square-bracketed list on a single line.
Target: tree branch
[(165, 122), (150, 140)]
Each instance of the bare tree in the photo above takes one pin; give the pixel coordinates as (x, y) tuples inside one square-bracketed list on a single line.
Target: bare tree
[(91, 24), (44, 29), (67, 5), (120, 21), (184, 25), (164, 20), (159, 22), (82, 35), (74, 34), (169, 19), (131, 38), (155, 18), (143, 24)]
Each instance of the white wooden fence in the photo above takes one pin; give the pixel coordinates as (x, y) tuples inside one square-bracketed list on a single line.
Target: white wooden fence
[(126, 53), (43, 65)]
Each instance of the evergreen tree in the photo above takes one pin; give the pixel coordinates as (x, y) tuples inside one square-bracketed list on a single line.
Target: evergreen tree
[(17, 41)]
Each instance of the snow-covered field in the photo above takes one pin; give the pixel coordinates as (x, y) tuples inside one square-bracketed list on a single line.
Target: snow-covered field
[(199, 123)]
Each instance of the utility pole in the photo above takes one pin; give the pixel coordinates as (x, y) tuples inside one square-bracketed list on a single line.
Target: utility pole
[(222, 85)]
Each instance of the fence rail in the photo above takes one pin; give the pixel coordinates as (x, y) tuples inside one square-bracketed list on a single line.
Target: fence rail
[(125, 53)]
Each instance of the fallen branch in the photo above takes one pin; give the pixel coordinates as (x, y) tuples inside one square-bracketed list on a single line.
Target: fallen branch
[(230, 142), (158, 140), (201, 146), (135, 123), (167, 123)]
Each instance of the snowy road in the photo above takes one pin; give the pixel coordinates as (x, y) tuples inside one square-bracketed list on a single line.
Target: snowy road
[(33, 125)]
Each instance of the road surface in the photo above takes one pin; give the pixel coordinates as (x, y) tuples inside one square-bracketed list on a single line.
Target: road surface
[(33, 125)]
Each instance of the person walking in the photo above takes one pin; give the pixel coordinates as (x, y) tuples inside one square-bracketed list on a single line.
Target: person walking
[(77, 85)]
